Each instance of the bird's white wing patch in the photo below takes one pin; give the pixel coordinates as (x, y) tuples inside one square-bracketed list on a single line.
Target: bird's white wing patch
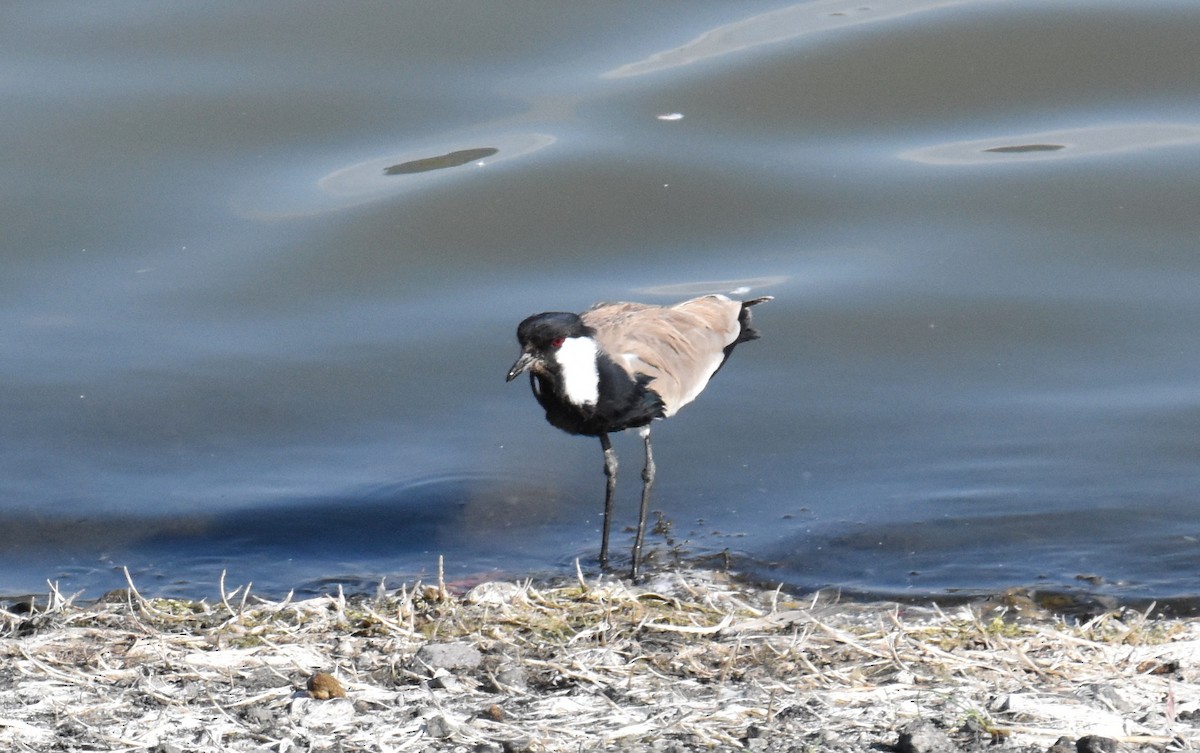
[(581, 379)]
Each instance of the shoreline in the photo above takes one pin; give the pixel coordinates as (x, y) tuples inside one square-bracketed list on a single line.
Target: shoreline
[(690, 660)]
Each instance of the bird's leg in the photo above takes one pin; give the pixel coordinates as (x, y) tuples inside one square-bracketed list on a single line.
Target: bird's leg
[(647, 482), (610, 474)]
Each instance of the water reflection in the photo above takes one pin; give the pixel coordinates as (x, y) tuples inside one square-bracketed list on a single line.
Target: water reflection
[(731, 287), (1055, 145), (441, 162), (283, 196), (774, 27)]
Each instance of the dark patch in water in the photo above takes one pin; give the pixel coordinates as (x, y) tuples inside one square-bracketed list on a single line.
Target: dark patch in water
[(1022, 148), (290, 544), (441, 162)]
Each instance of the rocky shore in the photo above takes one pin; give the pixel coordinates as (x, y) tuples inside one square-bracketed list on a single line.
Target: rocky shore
[(689, 661)]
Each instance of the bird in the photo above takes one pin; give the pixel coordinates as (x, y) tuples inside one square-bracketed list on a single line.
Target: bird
[(621, 366)]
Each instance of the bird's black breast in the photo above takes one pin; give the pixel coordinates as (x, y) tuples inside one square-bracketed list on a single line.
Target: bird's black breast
[(624, 402)]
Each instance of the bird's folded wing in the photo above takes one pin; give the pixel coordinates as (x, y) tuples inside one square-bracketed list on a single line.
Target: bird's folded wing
[(679, 347)]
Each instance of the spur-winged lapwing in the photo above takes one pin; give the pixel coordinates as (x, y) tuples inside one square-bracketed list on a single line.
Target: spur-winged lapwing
[(619, 366)]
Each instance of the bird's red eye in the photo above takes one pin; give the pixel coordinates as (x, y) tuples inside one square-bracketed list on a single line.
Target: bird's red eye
[(557, 342)]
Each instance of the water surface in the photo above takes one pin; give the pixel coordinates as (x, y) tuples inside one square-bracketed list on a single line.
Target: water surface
[(263, 266)]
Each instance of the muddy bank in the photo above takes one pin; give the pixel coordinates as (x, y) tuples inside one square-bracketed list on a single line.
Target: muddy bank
[(688, 661)]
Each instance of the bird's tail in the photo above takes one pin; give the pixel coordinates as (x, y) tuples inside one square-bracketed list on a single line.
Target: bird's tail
[(748, 332)]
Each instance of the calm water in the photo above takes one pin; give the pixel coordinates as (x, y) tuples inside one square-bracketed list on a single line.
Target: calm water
[(262, 267)]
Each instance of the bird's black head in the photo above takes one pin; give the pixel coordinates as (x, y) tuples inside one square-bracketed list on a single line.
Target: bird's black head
[(542, 334), (542, 329)]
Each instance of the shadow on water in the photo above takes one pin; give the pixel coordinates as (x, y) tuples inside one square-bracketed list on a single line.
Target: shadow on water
[(441, 512), (351, 540)]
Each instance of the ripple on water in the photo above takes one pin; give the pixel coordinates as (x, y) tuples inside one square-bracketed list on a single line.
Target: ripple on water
[(306, 191), (1070, 143)]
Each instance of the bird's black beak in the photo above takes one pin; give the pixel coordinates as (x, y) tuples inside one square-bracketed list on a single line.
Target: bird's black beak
[(523, 363)]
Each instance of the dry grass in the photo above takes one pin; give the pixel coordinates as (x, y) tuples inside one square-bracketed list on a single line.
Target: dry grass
[(688, 661)]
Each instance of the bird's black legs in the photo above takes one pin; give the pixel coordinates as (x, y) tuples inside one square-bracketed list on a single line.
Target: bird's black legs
[(647, 482), (610, 473)]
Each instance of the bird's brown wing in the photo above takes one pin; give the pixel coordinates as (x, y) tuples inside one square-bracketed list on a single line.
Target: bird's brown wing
[(679, 347)]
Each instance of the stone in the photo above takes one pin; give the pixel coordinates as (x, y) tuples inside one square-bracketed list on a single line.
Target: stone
[(438, 726), (494, 594), (1062, 745), (442, 680), (449, 656), (1095, 744), (923, 736), (513, 678), (257, 716)]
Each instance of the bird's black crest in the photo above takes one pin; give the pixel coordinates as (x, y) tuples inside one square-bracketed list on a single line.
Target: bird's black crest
[(542, 328)]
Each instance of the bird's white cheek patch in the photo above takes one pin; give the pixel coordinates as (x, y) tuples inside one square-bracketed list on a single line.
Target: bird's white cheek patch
[(581, 379)]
